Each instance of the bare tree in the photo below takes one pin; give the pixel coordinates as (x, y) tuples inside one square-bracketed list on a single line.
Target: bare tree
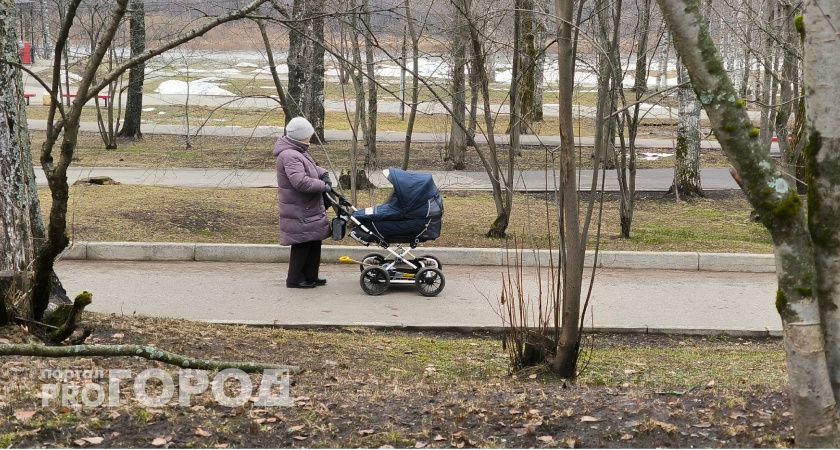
[(288, 111), (567, 306), (306, 62), (807, 254), (372, 91), (414, 37), (136, 75), (457, 146), (62, 131)]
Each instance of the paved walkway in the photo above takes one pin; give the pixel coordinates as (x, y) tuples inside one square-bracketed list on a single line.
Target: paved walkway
[(647, 180), (255, 294)]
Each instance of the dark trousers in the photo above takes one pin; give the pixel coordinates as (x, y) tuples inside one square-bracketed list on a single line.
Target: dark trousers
[(304, 260)]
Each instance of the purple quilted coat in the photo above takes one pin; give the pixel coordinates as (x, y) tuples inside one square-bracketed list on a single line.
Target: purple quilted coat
[(302, 214)]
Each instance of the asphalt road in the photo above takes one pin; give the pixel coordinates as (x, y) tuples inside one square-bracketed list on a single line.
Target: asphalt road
[(256, 294)]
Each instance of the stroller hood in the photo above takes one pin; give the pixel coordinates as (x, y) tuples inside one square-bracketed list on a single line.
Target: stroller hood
[(412, 190), (413, 213)]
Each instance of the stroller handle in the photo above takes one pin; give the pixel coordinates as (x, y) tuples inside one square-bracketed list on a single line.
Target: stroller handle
[(339, 201)]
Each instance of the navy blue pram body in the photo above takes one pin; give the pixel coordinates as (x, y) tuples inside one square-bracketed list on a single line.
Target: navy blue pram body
[(413, 214)]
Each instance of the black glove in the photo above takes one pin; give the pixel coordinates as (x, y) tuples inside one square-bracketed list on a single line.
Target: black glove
[(325, 177), (327, 188)]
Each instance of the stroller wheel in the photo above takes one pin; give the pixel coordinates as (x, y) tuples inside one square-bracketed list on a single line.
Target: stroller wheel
[(371, 259), (437, 263), (374, 281), (429, 281)]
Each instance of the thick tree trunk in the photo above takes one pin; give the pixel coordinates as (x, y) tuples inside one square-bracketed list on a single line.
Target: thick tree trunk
[(812, 399), (524, 68), (136, 75), (822, 76), (457, 146), (19, 205), (687, 151), (306, 63), (604, 137)]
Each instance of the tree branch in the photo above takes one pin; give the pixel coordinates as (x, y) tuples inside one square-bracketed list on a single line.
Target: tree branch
[(140, 351)]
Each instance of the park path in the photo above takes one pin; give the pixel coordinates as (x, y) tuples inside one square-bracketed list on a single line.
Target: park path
[(255, 294), (651, 180), (648, 180)]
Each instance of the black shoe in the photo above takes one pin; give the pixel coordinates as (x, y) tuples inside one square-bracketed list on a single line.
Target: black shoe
[(301, 285), (318, 281)]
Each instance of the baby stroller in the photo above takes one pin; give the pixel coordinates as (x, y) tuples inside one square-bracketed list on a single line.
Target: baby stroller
[(412, 215)]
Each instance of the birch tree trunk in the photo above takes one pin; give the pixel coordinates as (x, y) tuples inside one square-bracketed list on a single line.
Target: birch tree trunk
[(811, 395), (822, 77), (687, 151), (19, 205), (664, 57)]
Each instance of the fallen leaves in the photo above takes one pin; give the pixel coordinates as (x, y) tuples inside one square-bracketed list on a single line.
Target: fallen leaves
[(546, 439), (24, 415), (159, 442), (664, 426), (589, 419), (83, 442)]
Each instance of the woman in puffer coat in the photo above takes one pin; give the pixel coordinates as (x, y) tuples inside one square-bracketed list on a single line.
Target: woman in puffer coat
[(303, 218)]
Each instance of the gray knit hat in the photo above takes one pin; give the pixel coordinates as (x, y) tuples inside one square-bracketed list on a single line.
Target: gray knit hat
[(299, 129)]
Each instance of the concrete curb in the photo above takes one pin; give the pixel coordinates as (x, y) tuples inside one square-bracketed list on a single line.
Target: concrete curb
[(257, 253), (500, 329)]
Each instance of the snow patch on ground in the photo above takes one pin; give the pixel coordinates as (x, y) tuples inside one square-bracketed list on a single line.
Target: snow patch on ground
[(247, 65), (73, 77), (148, 109), (204, 86), (281, 68), (655, 156)]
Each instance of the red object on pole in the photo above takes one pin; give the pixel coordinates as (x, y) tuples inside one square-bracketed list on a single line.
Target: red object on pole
[(25, 53)]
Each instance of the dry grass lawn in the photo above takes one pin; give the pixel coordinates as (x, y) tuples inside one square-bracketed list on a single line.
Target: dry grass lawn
[(161, 214)]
